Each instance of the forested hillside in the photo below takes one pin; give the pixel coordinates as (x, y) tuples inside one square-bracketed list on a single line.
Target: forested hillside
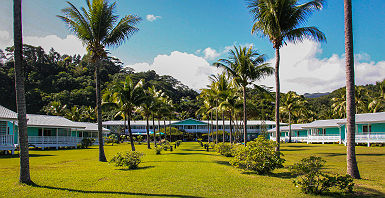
[(64, 85)]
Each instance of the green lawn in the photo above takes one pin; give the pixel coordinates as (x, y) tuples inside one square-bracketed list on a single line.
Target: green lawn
[(188, 171)]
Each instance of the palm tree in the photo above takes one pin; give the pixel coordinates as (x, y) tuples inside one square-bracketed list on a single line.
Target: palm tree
[(146, 109), (20, 94), (157, 95), (378, 103), (245, 65), (126, 96), (289, 106), (280, 21), (352, 168), (98, 27)]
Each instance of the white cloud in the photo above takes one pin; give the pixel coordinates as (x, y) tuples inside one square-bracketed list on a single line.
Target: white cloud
[(210, 54), (190, 69), (69, 45), (302, 71), (151, 17)]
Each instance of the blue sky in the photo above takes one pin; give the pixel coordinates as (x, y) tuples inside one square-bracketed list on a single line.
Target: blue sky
[(191, 30)]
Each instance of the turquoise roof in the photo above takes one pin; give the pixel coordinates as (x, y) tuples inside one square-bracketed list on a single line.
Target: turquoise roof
[(189, 121)]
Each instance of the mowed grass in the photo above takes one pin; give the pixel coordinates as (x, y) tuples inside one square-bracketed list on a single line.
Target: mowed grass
[(188, 171)]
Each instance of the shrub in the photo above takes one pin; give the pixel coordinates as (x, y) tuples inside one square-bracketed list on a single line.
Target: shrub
[(130, 159), (158, 149), (178, 142), (165, 144), (225, 149), (140, 139), (258, 155), (312, 180), (86, 142)]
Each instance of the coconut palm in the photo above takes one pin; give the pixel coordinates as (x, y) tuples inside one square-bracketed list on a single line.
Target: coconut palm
[(280, 21), (245, 66), (157, 95), (352, 168), (290, 103), (126, 96), (378, 103), (146, 109), (98, 27), (20, 94)]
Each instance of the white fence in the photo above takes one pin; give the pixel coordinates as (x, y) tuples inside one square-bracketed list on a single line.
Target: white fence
[(323, 138), (6, 140)]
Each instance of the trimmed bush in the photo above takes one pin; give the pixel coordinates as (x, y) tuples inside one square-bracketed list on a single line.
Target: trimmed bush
[(178, 142), (130, 159), (225, 149), (259, 156), (86, 142), (158, 149), (312, 180)]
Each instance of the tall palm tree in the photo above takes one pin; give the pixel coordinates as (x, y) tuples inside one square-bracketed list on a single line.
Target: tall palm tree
[(126, 96), (280, 21), (20, 94), (98, 27), (352, 168), (290, 105), (245, 66)]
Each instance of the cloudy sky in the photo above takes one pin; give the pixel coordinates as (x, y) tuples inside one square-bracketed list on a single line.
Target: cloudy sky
[(183, 39)]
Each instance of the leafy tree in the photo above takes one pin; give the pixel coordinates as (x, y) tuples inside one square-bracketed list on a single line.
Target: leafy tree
[(280, 21), (290, 103), (98, 26)]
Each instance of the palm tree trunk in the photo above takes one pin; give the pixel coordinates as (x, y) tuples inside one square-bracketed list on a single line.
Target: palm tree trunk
[(289, 127), (223, 126), (277, 96), (160, 135), (212, 126), (244, 116), (20, 94), (102, 156), (169, 122), (153, 128), (208, 129), (352, 168), (164, 128), (148, 133), (130, 132), (216, 135), (231, 129)]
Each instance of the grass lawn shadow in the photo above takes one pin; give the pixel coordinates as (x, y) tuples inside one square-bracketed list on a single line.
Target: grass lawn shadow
[(30, 155), (358, 154), (139, 168), (188, 154), (111, 192), (226, 163)]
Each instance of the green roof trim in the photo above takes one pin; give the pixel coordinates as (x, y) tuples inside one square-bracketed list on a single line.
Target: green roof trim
[(189, 121)]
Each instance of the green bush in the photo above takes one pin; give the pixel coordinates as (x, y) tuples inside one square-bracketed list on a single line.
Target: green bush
[(312, 180), (178, 142), (225, 149), (86, 142), (140, 139), (130, 159), (258, 155), (158, 149)]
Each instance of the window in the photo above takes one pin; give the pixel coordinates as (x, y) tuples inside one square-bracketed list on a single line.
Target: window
[(47, 132), (3, 128), (366, 128)]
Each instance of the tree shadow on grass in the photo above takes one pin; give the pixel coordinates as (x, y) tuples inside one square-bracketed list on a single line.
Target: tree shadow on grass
[(283, 175), (188, 154), (30, 155), (139, 168), (364, 192), (226, 163), (358, 154), (111, 192)]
